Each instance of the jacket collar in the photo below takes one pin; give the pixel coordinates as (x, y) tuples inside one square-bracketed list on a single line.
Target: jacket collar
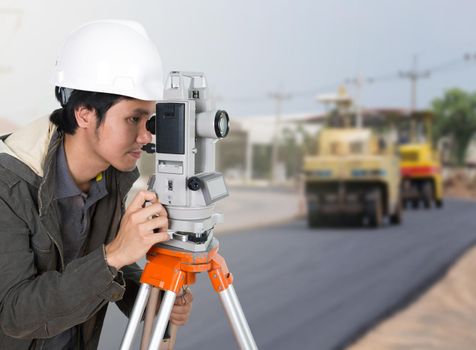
[(35, 146), (30, 144)]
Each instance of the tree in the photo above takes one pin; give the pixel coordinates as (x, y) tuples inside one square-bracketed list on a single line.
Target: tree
[(294, 145), (455, 116), (290, 152)]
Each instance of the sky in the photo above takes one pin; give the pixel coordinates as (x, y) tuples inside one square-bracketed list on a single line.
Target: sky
[(251, 49)]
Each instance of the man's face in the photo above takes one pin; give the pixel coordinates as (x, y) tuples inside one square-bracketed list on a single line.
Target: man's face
[(119, 139)]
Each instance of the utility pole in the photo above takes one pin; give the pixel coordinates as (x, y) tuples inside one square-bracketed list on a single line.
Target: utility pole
[(414, 75), (278, 98), (358, 83)]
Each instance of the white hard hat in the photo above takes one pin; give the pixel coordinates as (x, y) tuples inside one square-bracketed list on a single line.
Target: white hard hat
[(111, 56)]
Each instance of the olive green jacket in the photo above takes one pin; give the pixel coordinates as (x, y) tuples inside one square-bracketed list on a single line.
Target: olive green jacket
[(40, 297)]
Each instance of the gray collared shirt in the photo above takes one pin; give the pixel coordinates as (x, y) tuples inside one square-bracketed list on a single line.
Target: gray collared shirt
[(76, 209)]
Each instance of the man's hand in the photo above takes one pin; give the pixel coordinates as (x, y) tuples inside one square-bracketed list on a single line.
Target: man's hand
[(182, 308), (136, 233)]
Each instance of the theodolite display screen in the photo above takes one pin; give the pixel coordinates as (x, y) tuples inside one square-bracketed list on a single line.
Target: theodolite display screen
[(214, 187), (170, 128)]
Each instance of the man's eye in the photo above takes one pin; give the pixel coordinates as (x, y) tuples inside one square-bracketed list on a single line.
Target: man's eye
[(134, 120)]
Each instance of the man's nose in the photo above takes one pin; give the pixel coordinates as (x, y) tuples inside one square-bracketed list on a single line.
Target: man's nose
[(144, 135)]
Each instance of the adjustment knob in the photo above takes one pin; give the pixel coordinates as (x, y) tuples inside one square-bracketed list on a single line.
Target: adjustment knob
[(194, 183), (149, 148)]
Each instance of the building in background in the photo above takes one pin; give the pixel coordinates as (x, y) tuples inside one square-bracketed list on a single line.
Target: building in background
[(245, 154), (231, 152)]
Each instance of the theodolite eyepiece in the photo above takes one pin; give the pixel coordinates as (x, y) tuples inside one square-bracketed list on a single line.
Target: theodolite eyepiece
[(150, 125)]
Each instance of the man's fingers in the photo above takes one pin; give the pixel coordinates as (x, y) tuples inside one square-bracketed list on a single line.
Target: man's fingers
[(184, 299), (159, 222), (178, 321), (187, 296), (141, 197), (176, 315), (143, 214), (181, 310), (160, 237)]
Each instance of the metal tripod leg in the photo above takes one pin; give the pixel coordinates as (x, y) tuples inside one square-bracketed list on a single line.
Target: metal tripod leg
[(136, 316), (237, 319), (162, 319), (149, 318)]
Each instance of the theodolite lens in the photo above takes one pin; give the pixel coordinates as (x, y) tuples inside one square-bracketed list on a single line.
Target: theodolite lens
[(222, 124)]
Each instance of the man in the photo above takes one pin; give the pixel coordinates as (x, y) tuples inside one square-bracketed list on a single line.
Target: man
[(67, 244)]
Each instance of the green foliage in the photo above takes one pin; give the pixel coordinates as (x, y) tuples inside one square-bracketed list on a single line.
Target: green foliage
[(455, 116), (293, 146), (262, 161), (309, 140), (290, 152)]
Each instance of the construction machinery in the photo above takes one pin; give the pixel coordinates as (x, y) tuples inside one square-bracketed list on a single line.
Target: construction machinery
[(354, 174), (420, 162)]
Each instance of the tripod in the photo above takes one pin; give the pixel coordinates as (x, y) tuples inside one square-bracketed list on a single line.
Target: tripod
[(170, 269)]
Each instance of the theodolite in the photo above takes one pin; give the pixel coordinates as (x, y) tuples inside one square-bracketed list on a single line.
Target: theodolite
[(186, 126)]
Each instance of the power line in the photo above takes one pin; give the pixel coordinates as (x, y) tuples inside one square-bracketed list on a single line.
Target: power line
[(446, 65), (313, 91), (296, 94), (414, 75)]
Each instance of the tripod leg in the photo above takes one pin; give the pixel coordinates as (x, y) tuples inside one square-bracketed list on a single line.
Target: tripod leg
[(222, 279), (237, 319), (136, 316), (162, 319), (149, 318)]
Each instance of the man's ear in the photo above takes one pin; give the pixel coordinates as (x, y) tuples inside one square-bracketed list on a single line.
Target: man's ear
[(85, 117)]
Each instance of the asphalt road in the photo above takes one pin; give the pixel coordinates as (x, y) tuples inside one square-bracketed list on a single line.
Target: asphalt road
[(320, 289)]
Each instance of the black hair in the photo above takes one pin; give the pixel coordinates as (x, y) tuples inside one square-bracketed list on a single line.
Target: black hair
[(100, 102)]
